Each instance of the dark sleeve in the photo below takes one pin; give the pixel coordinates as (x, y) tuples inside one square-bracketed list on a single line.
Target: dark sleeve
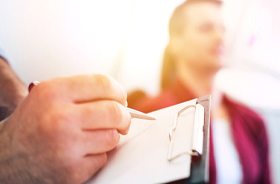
[(264, 153), (255, 126), (258, 126), (4, 111), (2, 56), (259, 130)]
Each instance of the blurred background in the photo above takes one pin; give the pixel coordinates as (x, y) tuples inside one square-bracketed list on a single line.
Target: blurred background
[(126, 39)]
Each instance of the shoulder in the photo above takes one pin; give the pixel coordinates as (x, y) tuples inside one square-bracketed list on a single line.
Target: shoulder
[(149, 104)]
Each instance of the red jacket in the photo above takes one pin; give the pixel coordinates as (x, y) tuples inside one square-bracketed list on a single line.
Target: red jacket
[(248, 130)]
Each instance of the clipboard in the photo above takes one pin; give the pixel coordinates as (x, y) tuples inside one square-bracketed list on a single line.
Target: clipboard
[(200, 167), (157, 152)]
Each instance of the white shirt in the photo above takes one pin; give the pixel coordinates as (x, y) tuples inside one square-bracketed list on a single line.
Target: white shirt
[(228, 165)]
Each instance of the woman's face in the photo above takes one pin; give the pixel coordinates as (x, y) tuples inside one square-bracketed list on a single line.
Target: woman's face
[(200, 43)]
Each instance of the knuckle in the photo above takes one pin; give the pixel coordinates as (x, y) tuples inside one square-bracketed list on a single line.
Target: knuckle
[(111, 87), (103, 81)]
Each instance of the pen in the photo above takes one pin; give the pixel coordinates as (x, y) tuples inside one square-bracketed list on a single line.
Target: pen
[(140, 115), (134, 113)]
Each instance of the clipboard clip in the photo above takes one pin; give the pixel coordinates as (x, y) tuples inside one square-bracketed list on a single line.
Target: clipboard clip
[(197, 139)]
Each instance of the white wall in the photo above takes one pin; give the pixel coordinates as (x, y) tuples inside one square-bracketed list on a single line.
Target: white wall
[(61, 37), (253, 72)]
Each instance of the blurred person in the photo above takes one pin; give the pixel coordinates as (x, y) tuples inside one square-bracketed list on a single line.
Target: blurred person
[(61, 131), (239, 151), (136, 96)]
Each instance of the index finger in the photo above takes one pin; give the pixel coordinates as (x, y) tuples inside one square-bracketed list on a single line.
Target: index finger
[(87, 88)]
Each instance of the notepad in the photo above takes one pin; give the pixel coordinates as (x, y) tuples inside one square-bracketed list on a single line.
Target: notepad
[(143, 156)]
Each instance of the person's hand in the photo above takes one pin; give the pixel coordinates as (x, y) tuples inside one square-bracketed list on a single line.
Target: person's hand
[(61, 132)]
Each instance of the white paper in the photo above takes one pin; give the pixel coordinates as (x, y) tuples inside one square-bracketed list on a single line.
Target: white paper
[(141, 156)]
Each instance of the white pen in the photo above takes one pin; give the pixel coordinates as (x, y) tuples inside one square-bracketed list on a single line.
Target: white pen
[(140, 115)]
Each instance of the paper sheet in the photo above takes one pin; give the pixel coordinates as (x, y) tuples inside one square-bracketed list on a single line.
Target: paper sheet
[(141, 156)]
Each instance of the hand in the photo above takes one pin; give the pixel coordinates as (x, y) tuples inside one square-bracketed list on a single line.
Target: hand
[(62, 131)]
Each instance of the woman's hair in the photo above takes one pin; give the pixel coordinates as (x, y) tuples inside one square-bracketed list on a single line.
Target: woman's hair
[(176, 27)]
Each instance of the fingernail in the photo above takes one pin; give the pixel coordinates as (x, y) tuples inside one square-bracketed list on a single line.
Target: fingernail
[(32, 84)]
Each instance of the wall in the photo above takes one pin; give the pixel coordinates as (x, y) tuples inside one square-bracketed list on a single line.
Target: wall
[(61, 37)]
